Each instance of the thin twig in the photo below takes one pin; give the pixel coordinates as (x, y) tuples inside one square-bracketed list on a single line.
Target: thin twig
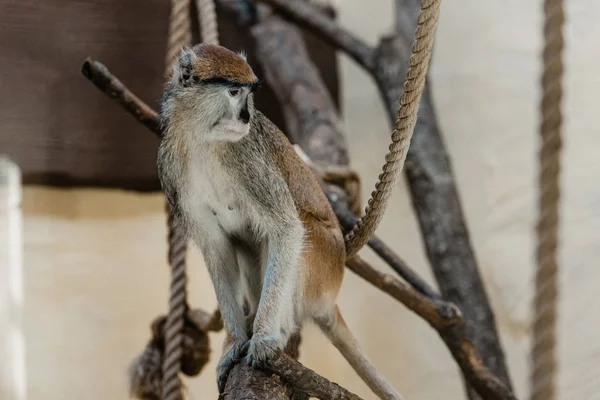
[(100, 76)]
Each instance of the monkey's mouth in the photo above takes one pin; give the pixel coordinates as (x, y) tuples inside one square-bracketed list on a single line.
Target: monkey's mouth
[(233, 130)]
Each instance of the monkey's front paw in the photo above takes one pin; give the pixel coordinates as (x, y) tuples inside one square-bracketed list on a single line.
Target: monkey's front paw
[(232, 356), (263, 349)]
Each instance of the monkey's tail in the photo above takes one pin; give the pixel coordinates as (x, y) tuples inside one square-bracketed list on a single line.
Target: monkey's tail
[(337, 331)]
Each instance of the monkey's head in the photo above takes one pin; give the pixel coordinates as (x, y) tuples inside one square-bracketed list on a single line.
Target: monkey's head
[(210, 93)]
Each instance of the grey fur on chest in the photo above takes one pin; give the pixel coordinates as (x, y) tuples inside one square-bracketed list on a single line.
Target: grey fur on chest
[(231, 188), (214, 201)]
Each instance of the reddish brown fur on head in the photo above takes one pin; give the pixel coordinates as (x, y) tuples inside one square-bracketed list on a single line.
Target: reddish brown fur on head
[(218, 62)]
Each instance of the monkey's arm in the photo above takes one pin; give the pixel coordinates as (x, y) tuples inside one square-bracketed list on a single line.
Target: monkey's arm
[(293, 194), (275, 316)]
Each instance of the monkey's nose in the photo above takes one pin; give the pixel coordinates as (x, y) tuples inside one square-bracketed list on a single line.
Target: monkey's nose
[(244, 115)]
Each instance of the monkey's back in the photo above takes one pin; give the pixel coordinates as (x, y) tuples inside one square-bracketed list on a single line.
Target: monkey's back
[(325, 253)]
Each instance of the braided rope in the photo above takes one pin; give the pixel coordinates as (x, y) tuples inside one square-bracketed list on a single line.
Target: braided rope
[(403, 129), (179, 35), (180, 32), (546, 291), (171, 382), (208, 21)]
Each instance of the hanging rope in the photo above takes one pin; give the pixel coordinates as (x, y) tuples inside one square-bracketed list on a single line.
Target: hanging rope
[(403, 129), (180, 31), (208, 21), (171, 382), (543, 356), (180, 34)]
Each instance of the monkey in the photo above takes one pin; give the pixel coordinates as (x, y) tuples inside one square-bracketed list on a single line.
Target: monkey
[(271, 242)]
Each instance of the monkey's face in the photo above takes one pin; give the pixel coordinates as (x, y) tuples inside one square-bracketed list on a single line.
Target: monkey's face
[(235, 110), (211, 94)]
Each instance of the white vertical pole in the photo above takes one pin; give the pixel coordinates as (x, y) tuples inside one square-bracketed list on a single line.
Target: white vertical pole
[(12, 343)]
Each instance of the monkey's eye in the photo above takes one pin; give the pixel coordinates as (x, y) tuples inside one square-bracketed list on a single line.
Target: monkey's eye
[(234, 92)]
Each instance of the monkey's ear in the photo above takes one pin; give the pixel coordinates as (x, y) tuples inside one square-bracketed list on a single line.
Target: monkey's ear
[(184, 67)]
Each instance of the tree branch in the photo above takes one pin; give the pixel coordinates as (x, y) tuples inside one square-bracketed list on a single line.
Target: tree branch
[(348, 220), (447, 320), (311, 17), (308, 381), (430, 177), (100, 76), (310, 115)]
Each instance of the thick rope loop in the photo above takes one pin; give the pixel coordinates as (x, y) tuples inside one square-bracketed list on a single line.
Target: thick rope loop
[(403, 129)]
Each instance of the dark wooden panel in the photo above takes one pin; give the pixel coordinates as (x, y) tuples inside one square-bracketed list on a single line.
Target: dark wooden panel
[(58, 127)]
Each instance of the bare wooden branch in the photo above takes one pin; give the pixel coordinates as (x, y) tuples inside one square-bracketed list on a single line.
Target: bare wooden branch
[(100, 76), (348, 220), (245, 382), (308, 381), (430, 177), (312, 120), (447, 320), (311, 17)]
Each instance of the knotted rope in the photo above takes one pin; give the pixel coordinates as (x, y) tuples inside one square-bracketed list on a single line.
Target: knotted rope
[(171, 382), (403, 129), (543, 356), (179, 36)]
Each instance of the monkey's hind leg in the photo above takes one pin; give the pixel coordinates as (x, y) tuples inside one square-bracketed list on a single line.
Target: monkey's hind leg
[(222, 264), (333, 325)]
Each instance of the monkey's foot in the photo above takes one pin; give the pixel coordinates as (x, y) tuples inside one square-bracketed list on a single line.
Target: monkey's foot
[(232, 356), (262, 349)]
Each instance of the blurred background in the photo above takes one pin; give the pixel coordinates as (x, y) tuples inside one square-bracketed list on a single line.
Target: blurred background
[(94, 264)]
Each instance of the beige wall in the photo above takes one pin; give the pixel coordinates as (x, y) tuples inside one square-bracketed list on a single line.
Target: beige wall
[(95, 271)]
